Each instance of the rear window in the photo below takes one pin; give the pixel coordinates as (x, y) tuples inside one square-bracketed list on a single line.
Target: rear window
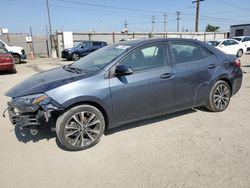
[(246, 39), (237, 38)]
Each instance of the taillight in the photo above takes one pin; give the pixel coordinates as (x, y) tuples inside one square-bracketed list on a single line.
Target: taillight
[(6, 59), (237, 63)]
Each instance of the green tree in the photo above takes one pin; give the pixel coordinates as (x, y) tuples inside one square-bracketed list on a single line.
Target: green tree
[(211, 28)]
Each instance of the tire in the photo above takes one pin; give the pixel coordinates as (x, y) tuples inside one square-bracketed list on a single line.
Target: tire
[(219, 97), (80, 127), (17, 58), (13, 71), (75, 56), (239, 53)]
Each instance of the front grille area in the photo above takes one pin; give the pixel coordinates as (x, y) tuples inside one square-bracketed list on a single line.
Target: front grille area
[(24, 120), (21, 119)]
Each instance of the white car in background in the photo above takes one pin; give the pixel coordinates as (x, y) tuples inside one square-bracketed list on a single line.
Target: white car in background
[(245, 40), (229, 46)]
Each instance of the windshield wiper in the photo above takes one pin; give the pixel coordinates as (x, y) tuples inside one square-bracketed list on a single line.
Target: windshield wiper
[(72, 69)]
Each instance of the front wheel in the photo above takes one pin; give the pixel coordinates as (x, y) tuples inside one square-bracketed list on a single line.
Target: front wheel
[(75, 56), (80, 127), (219, 97)]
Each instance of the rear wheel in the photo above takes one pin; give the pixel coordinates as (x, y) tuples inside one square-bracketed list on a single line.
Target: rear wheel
[(80, 127), (17, 58), (219, 97), (239, 53), (75, 56)]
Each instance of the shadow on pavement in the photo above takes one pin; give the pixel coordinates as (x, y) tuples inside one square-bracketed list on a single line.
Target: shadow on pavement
[(23, 134)]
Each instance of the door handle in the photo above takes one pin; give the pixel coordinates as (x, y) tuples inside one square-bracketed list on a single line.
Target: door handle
[(167, 76), (211, 66)]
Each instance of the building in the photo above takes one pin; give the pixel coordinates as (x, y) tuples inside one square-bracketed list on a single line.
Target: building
[(240, 30)]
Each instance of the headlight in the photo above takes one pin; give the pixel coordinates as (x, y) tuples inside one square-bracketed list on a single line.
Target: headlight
[(29, 103)]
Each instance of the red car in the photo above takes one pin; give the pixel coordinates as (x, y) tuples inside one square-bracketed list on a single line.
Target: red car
[(6, 61)]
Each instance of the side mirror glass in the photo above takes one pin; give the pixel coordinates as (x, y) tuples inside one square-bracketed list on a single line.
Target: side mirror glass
[(122, 70)]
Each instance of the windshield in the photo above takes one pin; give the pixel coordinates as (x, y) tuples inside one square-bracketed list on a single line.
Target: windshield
[(237, 38), (100, 58), (214, 43)]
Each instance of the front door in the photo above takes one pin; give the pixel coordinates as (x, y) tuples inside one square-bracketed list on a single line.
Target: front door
[(148, 91)]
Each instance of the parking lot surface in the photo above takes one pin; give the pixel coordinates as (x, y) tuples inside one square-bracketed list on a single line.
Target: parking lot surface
[(193, 148)]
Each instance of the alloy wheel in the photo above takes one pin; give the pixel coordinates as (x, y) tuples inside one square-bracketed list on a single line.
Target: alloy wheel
[(221, 96), (75, 56), (82, 129)]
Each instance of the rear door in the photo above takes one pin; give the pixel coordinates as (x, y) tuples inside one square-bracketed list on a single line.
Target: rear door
[(195, 67), (149, 90)]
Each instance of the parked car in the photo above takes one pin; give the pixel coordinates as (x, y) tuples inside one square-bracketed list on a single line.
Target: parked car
[(229, 46), (245, 40), (17, 52), (82, 49), (6, 61), (122, 83)]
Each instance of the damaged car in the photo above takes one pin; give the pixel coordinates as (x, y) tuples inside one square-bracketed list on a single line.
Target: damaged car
[(122, 83)]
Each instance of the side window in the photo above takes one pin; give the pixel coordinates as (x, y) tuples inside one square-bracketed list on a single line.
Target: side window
[(145, 58), (87, 45), (232, 42), (205, 52), (187, 52), (97, 43), (226, 43)]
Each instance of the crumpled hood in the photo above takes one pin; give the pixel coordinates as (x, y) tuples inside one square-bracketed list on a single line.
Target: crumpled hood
[(45, 81)]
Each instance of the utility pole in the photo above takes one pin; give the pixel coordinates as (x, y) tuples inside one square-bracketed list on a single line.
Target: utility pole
[(197, 14), (50, 30), (153, 24), (32, 45), (125, 24), (47, 44), (178, 20), (165, 23)]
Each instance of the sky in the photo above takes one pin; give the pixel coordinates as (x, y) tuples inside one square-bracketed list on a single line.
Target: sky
[(110, 15)]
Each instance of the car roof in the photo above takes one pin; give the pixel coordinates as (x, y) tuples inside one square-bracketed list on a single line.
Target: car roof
[(152, 40), (92, 41)]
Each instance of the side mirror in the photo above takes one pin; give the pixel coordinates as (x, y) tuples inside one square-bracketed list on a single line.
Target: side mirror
[(82, 46), (122, 70), (222, 45)]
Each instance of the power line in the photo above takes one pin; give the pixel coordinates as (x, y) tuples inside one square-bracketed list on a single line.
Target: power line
[(111, 7), (235, 6)]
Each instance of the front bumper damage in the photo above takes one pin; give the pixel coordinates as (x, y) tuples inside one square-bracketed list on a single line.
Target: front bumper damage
[(44, 115)]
